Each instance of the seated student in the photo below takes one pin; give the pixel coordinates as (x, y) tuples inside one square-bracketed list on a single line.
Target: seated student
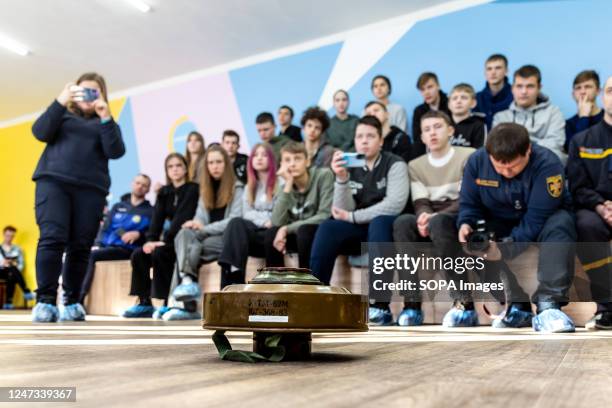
[(585, 90), (470, 128), (303, 203), (395, 140), (367, 200), (123, 230), (315, 122), (175, 204), (434, 183), (496, 96), (244, 236), (231, 143), (200, 240), (285, 117), (11, 267), (342, 125), (589, 171), (533, 110), (381, 89), (433, 99), (518, 189), (265, 127), (194, 153)]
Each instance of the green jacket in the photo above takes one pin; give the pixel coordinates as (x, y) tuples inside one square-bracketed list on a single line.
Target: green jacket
[(313, 206), (277, 142)]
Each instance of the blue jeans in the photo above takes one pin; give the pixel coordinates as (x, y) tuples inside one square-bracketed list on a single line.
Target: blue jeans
[(335, 237)]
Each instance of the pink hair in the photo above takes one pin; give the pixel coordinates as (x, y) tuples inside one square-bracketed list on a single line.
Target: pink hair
[(252, 174)]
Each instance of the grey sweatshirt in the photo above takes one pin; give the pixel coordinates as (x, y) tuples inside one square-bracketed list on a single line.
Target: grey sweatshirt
[(543, 121), (260, 211), (233, 209)]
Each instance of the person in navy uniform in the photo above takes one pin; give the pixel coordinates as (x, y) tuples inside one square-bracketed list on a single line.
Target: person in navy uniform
[(123, 230), (589, 171), (518, 189)]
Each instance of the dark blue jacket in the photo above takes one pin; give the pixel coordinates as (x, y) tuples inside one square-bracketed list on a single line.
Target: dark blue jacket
[(124, 217), (526, 200), (589, 166), (576, 124), (78, 148), (490, 105)]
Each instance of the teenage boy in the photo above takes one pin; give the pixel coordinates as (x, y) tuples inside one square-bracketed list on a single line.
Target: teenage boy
[(433, 99), (533, 110), (470, 128), (315, 122), (231, 143), (285, 117), (589, 170), (341, 131), (266, 128), (396, 141), (434, 184), (367, 200), (303, 203), (496, 96), (123, 230), (585, 90), (518, 189)]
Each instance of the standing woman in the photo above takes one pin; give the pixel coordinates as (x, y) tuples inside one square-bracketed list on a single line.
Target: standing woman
[(175, 204), (201, 239), (72, 181), (244, 236), (194, 153)]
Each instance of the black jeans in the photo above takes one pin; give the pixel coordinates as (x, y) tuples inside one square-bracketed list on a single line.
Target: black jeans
[(68, 217), (301, 242), (112, 253), (162, 260), (443, 234), (13, 277), (241, 239), (594, 252)]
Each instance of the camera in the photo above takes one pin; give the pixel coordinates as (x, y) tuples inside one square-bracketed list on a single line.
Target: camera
[(478, 240)]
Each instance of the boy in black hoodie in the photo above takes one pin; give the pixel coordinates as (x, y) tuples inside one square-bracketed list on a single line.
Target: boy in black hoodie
[(470, 129), (433, 99)]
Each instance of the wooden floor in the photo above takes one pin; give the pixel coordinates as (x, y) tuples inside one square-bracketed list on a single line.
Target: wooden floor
[(115, 363)]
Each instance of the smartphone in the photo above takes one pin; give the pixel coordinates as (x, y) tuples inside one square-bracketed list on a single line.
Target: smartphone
[(354, 159), (90, 94)]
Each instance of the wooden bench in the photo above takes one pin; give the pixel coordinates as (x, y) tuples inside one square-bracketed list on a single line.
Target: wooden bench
[(111, 285)]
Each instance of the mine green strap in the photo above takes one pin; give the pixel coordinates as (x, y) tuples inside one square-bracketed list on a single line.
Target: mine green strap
[(272, 350)]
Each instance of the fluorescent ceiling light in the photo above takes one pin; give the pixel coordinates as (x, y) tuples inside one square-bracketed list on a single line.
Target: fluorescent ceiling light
[(140, 5), (12, 45)]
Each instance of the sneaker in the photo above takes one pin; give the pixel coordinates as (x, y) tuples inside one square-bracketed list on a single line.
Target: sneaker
[(29, 296), (45, 313), (410, 317), (180, 314), (601, 321), (514, 319), (380, 317), (139, 311), (72, 313), (160, 311), (459, 316), (187, 291), (553, 321), (8, 306)]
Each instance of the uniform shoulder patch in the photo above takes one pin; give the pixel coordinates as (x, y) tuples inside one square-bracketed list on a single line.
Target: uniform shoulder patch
[(554, 185), (487, 183)]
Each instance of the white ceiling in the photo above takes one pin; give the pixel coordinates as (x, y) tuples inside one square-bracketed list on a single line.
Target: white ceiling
[(130, 48)]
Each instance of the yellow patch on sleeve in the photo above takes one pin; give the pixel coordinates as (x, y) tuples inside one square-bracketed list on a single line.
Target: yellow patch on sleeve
[(554, 185), (487, 183)]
